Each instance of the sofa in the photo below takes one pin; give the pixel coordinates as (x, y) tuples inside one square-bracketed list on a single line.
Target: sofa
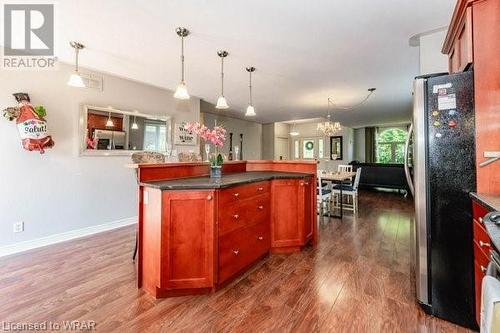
[(381, 175)]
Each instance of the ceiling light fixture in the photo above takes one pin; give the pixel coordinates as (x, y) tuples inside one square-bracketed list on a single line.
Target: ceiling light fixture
[(181, 90), (221, 101), (109, 123), (293, 132), (328, 128), (250, 109), (75, 80), (134, 125)]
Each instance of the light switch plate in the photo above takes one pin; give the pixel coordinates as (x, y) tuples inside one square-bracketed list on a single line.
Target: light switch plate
[(18, 227)]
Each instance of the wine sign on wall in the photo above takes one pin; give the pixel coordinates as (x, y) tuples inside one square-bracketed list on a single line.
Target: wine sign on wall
[(183, 136)]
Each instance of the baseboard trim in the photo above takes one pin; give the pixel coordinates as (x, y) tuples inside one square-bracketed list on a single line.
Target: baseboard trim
[(65, 236)]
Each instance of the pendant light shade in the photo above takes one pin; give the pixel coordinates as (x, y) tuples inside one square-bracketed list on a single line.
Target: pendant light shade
[(293, 132), (250, 109), (109, 123), (181, 92), (134, 125), (221, 101), (75, 80)]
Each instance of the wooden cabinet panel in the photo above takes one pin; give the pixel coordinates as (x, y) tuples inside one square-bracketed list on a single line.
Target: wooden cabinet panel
[(309, 208), (188, 239), (244, 213), (286, 228), (459, 42), (240, 248), (482, 246), (478, 278), (239, 193), (486, 30)]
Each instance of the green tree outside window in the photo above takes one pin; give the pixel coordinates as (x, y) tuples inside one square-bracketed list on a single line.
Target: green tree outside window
[(391, 145)]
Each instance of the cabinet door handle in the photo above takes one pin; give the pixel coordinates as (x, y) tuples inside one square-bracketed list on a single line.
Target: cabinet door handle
[(236, 216), (483, 244), (209, 198), (236, 195), (483, 269), (480, 220), (236, 252), (261, 207), (260, 238), (260, 189)]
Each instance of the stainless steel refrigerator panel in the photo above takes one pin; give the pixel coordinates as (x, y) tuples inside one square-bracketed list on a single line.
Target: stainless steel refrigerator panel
[(420, 189)]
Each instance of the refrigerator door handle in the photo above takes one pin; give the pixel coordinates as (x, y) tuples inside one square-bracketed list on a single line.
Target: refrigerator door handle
[(406, 160)]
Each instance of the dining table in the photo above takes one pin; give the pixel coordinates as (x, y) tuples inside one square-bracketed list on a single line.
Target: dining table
[(338, 177)]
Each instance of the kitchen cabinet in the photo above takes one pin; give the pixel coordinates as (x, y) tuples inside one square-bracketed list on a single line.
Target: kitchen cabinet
[(472, 42), (292, 221), (482, 245)]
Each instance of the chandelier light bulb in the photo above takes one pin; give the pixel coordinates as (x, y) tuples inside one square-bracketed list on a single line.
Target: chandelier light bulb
[(222, 103), (181, 91)]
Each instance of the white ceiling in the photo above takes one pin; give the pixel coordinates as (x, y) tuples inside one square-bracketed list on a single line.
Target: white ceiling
[(304, 50)]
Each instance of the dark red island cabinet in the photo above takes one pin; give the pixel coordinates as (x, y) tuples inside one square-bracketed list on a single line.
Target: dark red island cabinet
[(195, 241)]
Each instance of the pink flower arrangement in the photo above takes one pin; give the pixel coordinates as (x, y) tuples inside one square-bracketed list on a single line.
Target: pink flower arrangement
[(216, 136)]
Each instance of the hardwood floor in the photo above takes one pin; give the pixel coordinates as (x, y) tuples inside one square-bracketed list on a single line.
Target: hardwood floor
[(357, 280)]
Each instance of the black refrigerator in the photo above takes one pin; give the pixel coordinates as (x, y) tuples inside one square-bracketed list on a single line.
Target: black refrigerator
[(443, 175)]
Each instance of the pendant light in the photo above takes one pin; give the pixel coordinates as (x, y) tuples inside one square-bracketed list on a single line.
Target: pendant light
[(293, 132), (221, 101), (250, 109), (181, 91), (75, 80), (134, 125), (109, 123)]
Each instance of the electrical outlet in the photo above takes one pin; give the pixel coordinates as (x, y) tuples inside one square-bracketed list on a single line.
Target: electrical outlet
[(19, 226)]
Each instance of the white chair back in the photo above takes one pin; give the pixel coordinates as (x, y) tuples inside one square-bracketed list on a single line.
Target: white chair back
[(356, 179), (344, 168)]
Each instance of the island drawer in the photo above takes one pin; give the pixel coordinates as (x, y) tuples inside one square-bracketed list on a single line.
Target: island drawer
[(241, 248), (244, 213), (481, 237), (478, 211), (242, 192)]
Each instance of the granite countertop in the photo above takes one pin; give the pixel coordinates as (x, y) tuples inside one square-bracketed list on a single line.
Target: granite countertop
[(227, 180), (491, 201)]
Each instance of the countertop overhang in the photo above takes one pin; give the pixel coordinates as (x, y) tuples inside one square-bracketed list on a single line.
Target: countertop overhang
[(492, 202), (227, 180)]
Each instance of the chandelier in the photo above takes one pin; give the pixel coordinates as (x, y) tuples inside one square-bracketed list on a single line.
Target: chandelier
[(328, 128)]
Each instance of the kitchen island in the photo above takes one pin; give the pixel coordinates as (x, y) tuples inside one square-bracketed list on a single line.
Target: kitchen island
[(198, 233)]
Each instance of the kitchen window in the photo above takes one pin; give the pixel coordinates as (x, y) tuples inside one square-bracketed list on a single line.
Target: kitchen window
[(155, 136)]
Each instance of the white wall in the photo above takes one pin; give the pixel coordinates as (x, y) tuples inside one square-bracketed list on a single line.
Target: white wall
[(309, 130), (252, 133), (60, 191), (431, 58)]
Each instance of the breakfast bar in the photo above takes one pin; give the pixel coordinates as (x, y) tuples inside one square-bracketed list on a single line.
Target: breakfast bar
[(197, 233)]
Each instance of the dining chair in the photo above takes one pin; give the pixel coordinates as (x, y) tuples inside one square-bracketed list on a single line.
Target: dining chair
[(344, 168), (323, 194), (144, 157), (349, 191)]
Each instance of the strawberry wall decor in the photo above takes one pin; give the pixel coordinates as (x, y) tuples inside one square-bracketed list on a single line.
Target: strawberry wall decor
[(31, 124)]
